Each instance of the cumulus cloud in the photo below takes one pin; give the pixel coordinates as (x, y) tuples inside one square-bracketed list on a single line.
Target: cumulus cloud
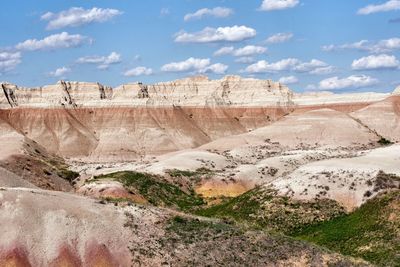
[(313, 65), (226, 50), (384, 7), (249, 50), (77, 16), (323, 70), (197, 65), (9, 61), (279, 38), (217, 68), (288, 80), (245, 51), (245, 60), (217, 12), (354, 81), (375, 62), (382, 46), (289, 64), (60, 72), (102, 62), (188, 65), (138, 71), (264, 66), (52, 42), (209, 35), (270, 5)]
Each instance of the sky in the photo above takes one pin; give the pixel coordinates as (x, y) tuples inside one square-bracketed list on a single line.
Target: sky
[(309, 45)]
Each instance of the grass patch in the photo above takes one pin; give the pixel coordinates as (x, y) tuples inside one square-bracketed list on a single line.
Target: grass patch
[(67, 174), (188, 229), (371, 232), (194, 176), (156, 190), (262, 208)]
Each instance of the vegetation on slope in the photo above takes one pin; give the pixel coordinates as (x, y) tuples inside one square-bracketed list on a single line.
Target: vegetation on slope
[(371, 232), (156, 190), (384, 142), (43, 169), (263, 208), (188, 241)]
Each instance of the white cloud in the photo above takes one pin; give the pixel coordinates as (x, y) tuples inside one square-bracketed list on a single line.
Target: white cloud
[(208, 35), (249, 50), (363, 45), (289, 80), (190, 64), (226, 50), (60, 72), (217, 68), (388, 45), (77, 16), (310, 66), (52, 42), (245, 60), (323, 70), (279, 38), (245, 51), (217, 12), (138, 71), (103, 62), (387, 6), (197, 65), (382, 46), (9, 61), (354, 81), (289, 64), (375, 62), (263, 66), (269, 5)]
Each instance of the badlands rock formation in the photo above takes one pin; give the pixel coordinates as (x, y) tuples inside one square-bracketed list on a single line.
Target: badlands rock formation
[(97, 123), (208, 139)]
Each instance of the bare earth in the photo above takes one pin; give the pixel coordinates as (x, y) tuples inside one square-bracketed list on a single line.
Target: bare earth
[(242, 133)]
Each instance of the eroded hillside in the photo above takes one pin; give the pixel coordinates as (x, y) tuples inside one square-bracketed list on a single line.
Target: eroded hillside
[(195, 172)]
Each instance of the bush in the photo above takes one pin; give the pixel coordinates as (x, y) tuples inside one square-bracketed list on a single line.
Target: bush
[(384, 142)]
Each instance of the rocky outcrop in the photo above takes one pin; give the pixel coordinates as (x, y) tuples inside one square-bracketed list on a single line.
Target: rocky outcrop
[(233, 91), (9, 95), (105, 91), (143, 92), (66, 99)]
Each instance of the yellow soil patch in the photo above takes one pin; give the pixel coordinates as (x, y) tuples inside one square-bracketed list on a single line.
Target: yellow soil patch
[(219, 188)]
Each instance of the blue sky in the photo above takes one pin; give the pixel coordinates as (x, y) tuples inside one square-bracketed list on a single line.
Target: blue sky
[(336, 45)]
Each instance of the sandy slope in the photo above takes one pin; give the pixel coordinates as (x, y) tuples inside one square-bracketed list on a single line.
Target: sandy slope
[(382, 117), (61, 228), (344, 180)]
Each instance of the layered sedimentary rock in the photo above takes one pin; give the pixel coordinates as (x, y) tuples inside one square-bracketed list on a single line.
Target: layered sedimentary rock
[(99, 123), (197, 91), (194, 92)]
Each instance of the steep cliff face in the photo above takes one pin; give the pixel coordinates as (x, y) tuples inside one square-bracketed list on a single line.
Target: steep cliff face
[(107, 134), (232, 91), (197, 91), (8, 97), (63, 94), (100, 123)]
